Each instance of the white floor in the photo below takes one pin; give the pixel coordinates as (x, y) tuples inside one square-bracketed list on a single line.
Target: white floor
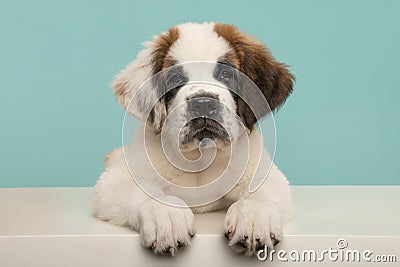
[(54, 227)]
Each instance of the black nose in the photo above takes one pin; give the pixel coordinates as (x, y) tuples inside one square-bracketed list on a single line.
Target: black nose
[(203, 106)]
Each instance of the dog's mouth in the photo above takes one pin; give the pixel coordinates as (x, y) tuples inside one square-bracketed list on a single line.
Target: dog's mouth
[(202, 128)]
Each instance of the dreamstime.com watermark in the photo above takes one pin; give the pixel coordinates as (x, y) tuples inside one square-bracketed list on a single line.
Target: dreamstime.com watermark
[(339, 254)]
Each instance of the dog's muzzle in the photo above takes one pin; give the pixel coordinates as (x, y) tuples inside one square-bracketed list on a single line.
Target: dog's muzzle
[(204, 118)]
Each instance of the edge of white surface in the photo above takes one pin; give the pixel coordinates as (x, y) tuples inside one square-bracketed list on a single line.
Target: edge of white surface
[(101, 244)]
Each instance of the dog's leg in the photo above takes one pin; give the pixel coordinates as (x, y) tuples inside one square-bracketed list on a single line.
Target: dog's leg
[(256, 220), (163, 228)]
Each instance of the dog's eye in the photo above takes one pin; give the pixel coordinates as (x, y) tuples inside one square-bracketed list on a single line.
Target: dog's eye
[(176, 79), (226, 74)]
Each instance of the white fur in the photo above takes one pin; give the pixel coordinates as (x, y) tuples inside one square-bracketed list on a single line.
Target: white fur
[(119, 200), (132, 77), (198, 42)]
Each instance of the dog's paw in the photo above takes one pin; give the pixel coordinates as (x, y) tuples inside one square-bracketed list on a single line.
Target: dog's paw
[(251, 224), (165, 229)]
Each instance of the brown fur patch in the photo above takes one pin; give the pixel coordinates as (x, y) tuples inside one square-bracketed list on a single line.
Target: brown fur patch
[(120, 91), (162, 44), (255, 60), (232, 58), (160, 60)]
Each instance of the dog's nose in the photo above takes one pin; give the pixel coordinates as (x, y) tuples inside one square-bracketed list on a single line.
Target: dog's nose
[(203, 106)]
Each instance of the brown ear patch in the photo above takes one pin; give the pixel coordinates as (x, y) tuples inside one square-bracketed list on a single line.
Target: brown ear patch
[(255, 60), (162, 44), (160, 60)]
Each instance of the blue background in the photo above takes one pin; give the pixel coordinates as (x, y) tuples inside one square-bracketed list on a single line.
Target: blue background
[(59, 117)]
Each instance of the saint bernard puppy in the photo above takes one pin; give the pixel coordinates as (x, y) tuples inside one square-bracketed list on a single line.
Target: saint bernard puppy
[(197, 117)]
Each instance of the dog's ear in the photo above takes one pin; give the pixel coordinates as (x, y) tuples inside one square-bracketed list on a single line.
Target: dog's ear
[(254, 60), (137, 94), (136, 87)]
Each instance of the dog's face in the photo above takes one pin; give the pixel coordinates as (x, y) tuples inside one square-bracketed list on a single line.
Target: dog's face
[(200, 76), (200, 104)]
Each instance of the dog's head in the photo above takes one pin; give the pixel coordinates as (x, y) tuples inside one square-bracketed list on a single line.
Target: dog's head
[(196, 72)]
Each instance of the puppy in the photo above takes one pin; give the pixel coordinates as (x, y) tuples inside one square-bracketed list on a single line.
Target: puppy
[(193, 88)]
